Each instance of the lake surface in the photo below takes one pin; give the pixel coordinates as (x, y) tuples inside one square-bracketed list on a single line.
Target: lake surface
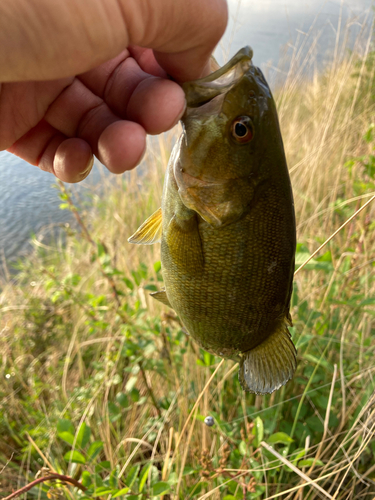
[(269, 26), (29, 203)]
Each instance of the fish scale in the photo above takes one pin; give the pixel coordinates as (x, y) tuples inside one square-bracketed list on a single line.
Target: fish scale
[(206, 308), (227, 226)]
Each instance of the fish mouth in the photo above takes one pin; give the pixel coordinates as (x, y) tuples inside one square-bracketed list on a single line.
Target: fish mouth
[(200, 92)]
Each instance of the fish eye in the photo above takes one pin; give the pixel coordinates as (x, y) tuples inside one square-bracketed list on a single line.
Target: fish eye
[(242, 129)]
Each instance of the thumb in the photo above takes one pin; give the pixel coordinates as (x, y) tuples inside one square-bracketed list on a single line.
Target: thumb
[(183, 34), (44, 39)]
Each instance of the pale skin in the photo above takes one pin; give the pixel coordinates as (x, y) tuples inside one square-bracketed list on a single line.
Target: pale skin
[(84, 77)]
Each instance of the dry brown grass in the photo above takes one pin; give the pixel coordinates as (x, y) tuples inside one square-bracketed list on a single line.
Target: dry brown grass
[(58, 364)]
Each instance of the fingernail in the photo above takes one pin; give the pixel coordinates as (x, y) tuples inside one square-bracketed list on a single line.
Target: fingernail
[(181, 114), (87, 170)]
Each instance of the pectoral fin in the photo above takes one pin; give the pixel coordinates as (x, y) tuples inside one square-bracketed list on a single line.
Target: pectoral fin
[(150, 231), (271, 364), (161, 297), (185, 245)]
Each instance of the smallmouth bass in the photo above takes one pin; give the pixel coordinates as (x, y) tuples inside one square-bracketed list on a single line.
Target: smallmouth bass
[(227, 225)]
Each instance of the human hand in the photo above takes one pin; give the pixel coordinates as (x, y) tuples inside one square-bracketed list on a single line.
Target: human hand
[(76, 82)]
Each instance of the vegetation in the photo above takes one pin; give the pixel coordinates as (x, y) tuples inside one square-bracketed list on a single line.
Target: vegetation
[(102, 390)]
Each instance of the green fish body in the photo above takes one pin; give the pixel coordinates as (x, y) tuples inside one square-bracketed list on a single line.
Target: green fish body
[(227, 225)]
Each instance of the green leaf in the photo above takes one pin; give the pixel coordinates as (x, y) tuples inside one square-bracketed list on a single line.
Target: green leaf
[(113, 480), (323, 263), (55, 296), (83, 436), (72, 279), (229, 497), (298, 454), (130, 384), (317, 361), (86, 478), (172, 479), (259, 490), (307, 462), (67, 437), (122, 399), (188, 469), (151, 288), (102, 490), (258, 431), (75, 456), (155, 473), (94, 449), (370, 134), (120, 492), (134, 394), (326, 257), (143, 271), (128, 283), (367, 302), (209, 359), (302, 248), (113, 411), (315, 424), (132, 476), (103, 466), (160, 488), (157, 266), (242, 448), (136, 277), (143, 477), (280, 437), (101, 249), (301, 257), (64, 425)]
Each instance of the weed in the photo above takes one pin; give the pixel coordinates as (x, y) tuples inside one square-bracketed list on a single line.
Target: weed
[(101, 385)]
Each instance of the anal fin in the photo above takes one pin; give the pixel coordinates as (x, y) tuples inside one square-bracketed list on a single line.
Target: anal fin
[(185, 245), (271, 364), (150, 231), (161, 297)]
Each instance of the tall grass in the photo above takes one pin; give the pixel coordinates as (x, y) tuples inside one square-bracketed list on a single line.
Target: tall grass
[(101, 384)]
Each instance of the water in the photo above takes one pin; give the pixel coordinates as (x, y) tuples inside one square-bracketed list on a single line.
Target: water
[(28, 202), (269, 25)]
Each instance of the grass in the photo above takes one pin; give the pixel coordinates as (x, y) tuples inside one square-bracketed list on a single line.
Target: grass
[(100, 385)]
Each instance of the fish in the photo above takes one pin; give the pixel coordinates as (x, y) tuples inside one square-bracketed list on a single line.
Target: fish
[(227, 226)]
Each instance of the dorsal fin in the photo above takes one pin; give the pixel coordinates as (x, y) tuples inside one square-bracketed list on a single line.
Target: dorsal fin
[(271, 364), (185, 245), (150, 231)]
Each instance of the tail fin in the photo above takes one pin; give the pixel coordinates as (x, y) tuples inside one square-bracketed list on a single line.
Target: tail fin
[(271, 364)]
